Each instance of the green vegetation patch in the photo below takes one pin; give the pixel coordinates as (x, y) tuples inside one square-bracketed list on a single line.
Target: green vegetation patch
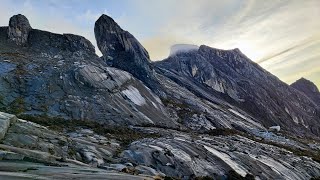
[(183, 110), (223, 132), (123, 134), (17, 106)]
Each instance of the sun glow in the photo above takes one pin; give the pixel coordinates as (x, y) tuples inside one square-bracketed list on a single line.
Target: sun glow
[(249, 50), (246, 47)]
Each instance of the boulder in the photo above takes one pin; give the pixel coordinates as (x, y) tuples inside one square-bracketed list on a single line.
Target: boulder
[(19, 29), (5, 121), (274, 128)]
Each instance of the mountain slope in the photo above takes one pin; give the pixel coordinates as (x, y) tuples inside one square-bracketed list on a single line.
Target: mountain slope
[(228, 75)]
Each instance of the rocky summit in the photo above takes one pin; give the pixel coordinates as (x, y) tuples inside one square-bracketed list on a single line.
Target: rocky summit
[(201, 113), (308, 88), (122, 50), (19, 28)]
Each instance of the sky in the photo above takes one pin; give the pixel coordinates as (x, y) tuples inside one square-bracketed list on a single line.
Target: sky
[(283, 36)]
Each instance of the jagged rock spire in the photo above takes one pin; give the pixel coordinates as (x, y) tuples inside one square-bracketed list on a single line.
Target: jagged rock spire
[(112, 39), (19, 29), (122, 50)]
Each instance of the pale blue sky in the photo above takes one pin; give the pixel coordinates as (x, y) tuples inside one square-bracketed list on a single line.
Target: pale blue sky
[(283, 36)]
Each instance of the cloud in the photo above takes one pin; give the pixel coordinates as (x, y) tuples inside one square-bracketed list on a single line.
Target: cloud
[(252, 23), (161, 51)]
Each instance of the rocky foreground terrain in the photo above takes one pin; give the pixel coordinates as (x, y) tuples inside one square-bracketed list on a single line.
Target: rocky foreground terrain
[(202, 113)]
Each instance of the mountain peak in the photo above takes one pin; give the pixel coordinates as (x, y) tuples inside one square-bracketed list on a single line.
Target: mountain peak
[(122, 50), (19, 28), (308, 88), (208, 48), (108, 23), (305, 83), (112, 39)]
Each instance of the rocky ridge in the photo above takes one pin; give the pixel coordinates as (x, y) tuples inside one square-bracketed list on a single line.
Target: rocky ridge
[(228, 75)]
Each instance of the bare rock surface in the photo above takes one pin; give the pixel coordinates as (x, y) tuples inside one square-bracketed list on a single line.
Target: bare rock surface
[(59, 75), (5, 121), (229, 77), (30, 150), (28, 170), (187, 156)]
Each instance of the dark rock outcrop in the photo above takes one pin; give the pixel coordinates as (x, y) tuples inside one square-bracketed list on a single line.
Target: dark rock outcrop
[(19, 29), (308, 88), (122, 50)]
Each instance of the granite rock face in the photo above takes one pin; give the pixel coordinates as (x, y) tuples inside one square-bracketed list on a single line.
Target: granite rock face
[(30, 150), (308, 88), (41, 153), (60, 75), (122, 50), (19, 29), (196, 112), (229, 76), (185, 156)]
